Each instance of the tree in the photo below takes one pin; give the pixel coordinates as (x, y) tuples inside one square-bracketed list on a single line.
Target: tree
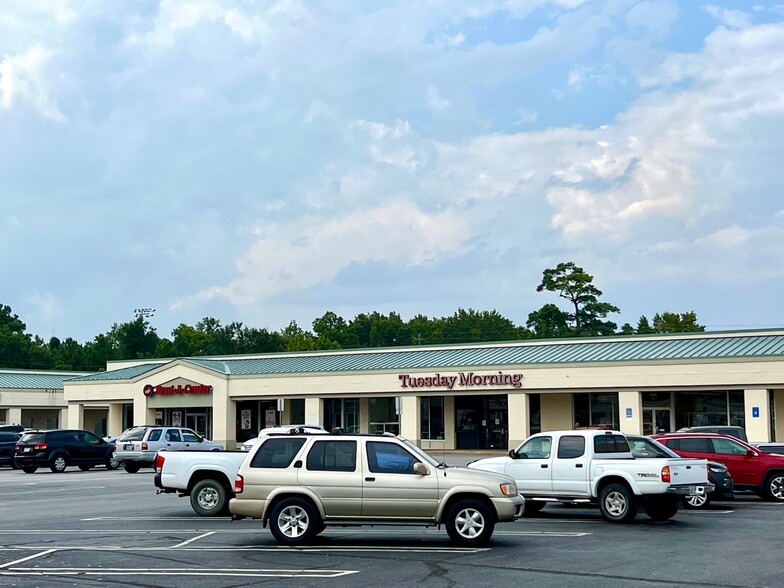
[(334, 331), (471, 326), (672, 322), (549, 322), (572, 283)]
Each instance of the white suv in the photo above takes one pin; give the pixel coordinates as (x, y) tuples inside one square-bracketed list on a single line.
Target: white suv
[(137, 446)]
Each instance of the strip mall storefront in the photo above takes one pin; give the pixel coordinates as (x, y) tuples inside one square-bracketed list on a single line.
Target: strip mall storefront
[(482, 396)]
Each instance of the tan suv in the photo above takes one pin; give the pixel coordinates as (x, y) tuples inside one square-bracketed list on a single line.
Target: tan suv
[(299, 484)]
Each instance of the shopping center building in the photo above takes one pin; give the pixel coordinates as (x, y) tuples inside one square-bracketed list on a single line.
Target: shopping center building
[(468, 396), (34, 399)]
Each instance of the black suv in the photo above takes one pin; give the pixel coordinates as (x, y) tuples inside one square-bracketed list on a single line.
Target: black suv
[(60, 448), (7, 443)]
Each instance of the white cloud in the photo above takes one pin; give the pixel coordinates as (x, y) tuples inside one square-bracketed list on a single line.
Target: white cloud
[(435, 101), (312, 250), (24, 82), (734, 19)]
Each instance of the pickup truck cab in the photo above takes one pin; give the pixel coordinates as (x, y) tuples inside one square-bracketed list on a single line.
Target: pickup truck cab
[(593, 466)]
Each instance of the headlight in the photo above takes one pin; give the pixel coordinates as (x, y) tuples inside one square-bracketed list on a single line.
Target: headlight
[(509, 489), (717, 469)]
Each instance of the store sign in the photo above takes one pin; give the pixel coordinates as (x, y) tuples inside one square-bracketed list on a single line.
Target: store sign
[(463, 379), (150, 390)]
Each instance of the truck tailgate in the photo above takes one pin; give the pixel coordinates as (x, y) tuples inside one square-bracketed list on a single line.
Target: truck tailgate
[(688, 471)]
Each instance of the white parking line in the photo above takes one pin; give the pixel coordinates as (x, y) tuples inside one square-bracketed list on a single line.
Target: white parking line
[(28, 558), (252, 572), (267, 548), (184, 543)]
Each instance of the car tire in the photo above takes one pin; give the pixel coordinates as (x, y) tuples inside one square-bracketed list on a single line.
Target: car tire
[(531, 508), (617, 503), (132, 467), (662, 508), (697, 502), (294, 521), (85, 467), (29, 469), (58, 463), (774, 487), (112, 463), (469, 522), (209, 498)]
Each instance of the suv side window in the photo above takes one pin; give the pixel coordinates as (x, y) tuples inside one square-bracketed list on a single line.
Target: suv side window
[(190, 437), (728, 447), (389, 458), (277, 453), (692, 444), (333, 456), (571, 446), (87, 438), (536, 448), (173, 435), (155, 435)]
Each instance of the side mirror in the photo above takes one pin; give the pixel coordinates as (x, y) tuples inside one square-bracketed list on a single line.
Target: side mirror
[(512, 454), (750, 453), (421, 469)]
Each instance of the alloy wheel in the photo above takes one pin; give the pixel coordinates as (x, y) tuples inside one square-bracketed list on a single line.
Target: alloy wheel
[(469, 523), (208, 498), (616, 504), (293, 521)]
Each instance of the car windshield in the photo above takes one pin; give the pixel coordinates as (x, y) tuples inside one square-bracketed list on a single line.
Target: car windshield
[(135, 434), (420, 453), (642, 447)]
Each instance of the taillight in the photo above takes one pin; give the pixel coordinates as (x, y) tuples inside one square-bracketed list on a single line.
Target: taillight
[(144, 446), (16, 448), (665, 474), (40, 446), (159, 459), (239, 484)]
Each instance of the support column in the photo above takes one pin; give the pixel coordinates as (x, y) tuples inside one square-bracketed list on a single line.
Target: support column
[(630, 409), (757, 409), (314, 411), (519, 419), (364, 415), (141, 414), (409, 418), (14, 416), (450, 436), (75, 416), (778, 411), (224, 418), (62, 418), (114, 420)]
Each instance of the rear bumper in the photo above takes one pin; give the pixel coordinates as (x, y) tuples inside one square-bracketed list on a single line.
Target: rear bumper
[(509, 508), (691, 489), (253, 508), (140, 456)]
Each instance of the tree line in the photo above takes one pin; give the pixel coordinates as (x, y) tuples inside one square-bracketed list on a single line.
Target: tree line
[(585, 316)]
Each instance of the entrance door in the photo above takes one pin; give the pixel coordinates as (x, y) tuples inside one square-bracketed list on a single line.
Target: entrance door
[(197, 422), (656, 420)]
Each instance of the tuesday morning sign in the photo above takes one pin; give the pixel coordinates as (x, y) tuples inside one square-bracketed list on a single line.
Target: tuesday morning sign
[(462, 379)]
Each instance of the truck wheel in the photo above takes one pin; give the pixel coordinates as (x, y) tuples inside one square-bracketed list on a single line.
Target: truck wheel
[(469, 522), (617, 503), (294, 521), (132, 467), (662, 508), (697, 501), (532, 508), (59, 463), (208, 498), (774, 487)]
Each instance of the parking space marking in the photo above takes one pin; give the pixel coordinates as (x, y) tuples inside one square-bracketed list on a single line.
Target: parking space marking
[(251, 572), (267, 548), (28, 558), (191, 540)]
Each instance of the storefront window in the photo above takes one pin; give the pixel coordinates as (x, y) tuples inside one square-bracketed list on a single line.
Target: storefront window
[(709, 407), (383, 416), (297, 408), (431, 410), (535, 413), (341, 413), (596, 410)]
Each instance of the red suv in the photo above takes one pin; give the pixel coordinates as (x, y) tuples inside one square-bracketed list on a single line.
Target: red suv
[(751, 469)]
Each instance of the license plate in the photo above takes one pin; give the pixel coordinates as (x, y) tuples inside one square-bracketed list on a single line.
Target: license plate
[(697, 490), (27, 450), (128, 447)]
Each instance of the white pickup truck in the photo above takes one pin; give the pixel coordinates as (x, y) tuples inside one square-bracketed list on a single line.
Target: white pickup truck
[(593, 466), (206, 476)]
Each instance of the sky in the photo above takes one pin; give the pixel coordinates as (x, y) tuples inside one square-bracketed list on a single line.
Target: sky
[(269, 161)]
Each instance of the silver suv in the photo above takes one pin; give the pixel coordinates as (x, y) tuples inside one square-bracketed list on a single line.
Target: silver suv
[(137, 446), (300, 484)]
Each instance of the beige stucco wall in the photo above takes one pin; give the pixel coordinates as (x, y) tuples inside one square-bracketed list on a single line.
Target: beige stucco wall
[(519, 418), (630, 401), (556, 412), (757, 428)]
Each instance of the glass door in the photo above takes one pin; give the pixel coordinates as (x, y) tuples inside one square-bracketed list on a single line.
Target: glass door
[(197, 422), (656, 420)]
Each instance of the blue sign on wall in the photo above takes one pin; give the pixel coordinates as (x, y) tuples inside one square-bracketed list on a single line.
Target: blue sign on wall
[(628, 413), (755, 412)]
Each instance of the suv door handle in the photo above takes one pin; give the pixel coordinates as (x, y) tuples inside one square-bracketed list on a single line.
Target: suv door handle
[(578, 465), (370, 479), (543, 466)]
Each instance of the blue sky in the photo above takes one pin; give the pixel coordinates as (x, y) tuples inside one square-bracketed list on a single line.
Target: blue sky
[(270, 161)]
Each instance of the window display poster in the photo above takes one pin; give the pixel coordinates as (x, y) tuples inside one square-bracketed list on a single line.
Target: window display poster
[(245, 419), (176, 418), (270, 418)]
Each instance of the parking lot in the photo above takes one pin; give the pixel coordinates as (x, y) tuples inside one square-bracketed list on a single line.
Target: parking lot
[(102, 527)]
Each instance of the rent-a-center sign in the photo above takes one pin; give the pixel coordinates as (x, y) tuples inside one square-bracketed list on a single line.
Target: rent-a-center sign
[(150, 390), (465, 379)]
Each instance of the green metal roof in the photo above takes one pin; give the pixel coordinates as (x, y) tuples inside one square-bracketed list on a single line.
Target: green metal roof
[(518, 354), (24, 380), (127, 373)]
